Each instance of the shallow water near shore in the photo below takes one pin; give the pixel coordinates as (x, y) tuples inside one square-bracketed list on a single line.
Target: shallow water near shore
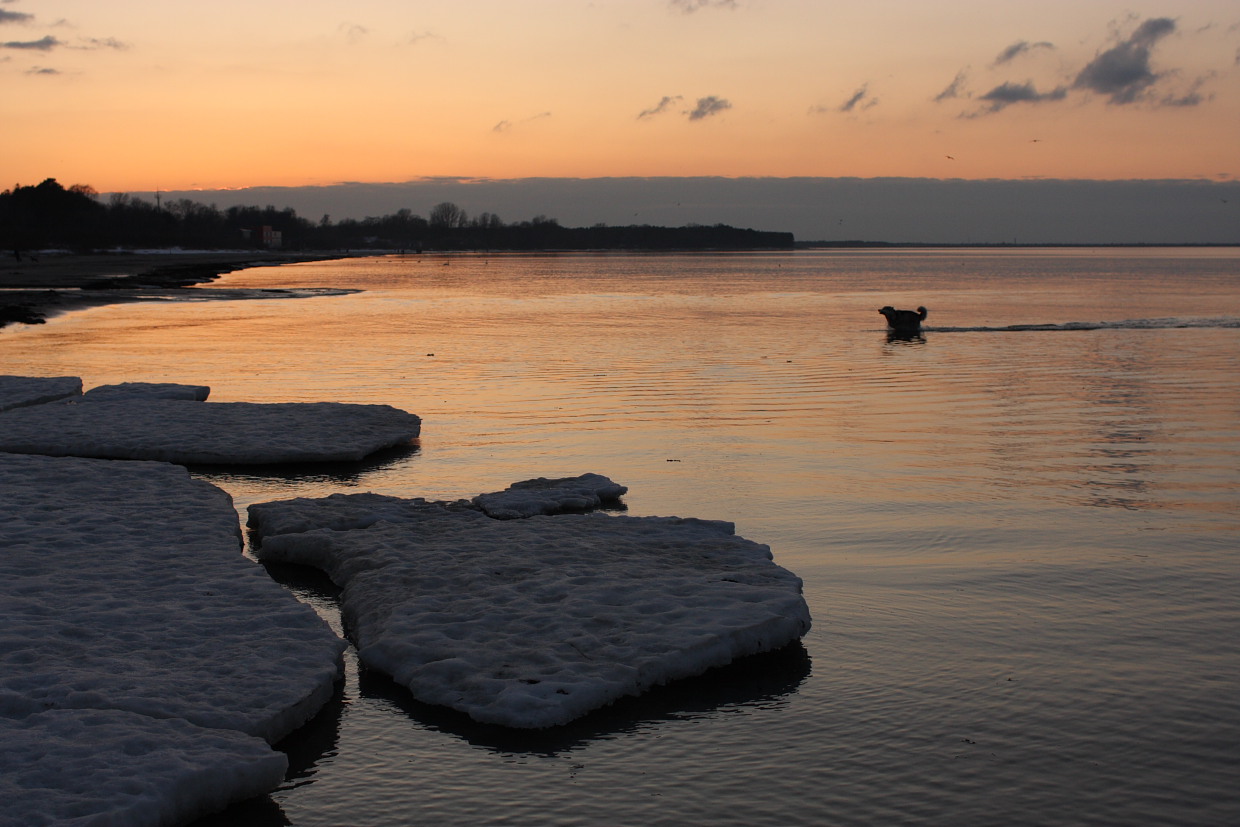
[(1019, 533)]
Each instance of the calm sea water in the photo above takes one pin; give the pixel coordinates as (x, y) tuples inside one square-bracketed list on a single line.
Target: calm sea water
[(1019, 535)]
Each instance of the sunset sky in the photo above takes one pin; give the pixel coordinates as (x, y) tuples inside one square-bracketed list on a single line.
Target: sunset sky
[(139, 95)]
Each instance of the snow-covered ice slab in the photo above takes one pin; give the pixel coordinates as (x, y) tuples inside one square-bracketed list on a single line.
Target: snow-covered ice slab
[(133, 633), (122, 586), (148, 390), (550, 496), (535, 622), (20, 391), (72, 766), (184, 431), (341, 512)]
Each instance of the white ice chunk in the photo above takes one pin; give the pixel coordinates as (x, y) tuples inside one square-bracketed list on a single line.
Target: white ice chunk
[(70, 766), (122, 586), (532, 623), (20, 391), (341, 512), (548, 496), (148, 390), (178, 430)]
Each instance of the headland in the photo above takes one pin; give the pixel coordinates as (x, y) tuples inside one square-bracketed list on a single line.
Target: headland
[(36, 286)]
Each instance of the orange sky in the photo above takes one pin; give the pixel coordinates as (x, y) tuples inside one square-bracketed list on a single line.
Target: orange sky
[(139, 95)]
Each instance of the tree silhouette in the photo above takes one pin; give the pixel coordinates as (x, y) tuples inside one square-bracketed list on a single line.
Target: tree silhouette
[(48, 215)]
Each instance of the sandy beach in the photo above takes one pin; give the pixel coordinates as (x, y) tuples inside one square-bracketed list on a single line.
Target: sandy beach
[(42, 285)]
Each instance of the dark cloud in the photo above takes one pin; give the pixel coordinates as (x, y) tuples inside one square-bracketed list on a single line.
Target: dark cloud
[(45, 44), (708, 106), (42, 70), (15, 17), (1006, 94), (860, 100), (1019, 48), (955, 89), (690, 6), (1123, 72), (502, 126), (662, 106)]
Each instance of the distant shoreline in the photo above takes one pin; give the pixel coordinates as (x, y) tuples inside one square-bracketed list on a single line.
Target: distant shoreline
[(999, 245), (43, 285)]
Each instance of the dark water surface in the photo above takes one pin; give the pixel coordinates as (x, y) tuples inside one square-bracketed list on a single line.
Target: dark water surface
[(1019, 535)]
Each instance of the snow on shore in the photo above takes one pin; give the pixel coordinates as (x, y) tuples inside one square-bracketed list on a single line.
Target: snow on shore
[(192, 432), (144, 662), (535, 622)]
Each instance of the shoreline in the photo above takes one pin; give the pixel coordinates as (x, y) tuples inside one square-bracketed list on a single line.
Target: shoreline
[(37, 288)]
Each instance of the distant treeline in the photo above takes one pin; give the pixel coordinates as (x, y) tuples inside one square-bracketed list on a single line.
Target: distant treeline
[(50, 216)]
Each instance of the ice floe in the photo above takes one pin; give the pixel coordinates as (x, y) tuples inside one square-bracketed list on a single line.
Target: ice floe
[(535, 622), (133, 426), (105, 766), (123, 589), (148, 390), (20, 391), (341, 512), (547, 496)]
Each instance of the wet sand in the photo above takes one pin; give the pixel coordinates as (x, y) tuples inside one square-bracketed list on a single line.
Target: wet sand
[(44, 285)]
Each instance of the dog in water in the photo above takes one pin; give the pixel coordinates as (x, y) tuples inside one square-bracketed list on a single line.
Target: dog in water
[(904, 322)]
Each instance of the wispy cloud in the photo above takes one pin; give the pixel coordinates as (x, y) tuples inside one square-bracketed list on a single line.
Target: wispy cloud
[(955, 89), (1123, 73), (353, 32), (102, 43), (45, 44), (42, 70), (1019, 48), (708, 106), (690, 6), (1192, 97), (860, 100), (507, 126), (415, 38), (662, 106)]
